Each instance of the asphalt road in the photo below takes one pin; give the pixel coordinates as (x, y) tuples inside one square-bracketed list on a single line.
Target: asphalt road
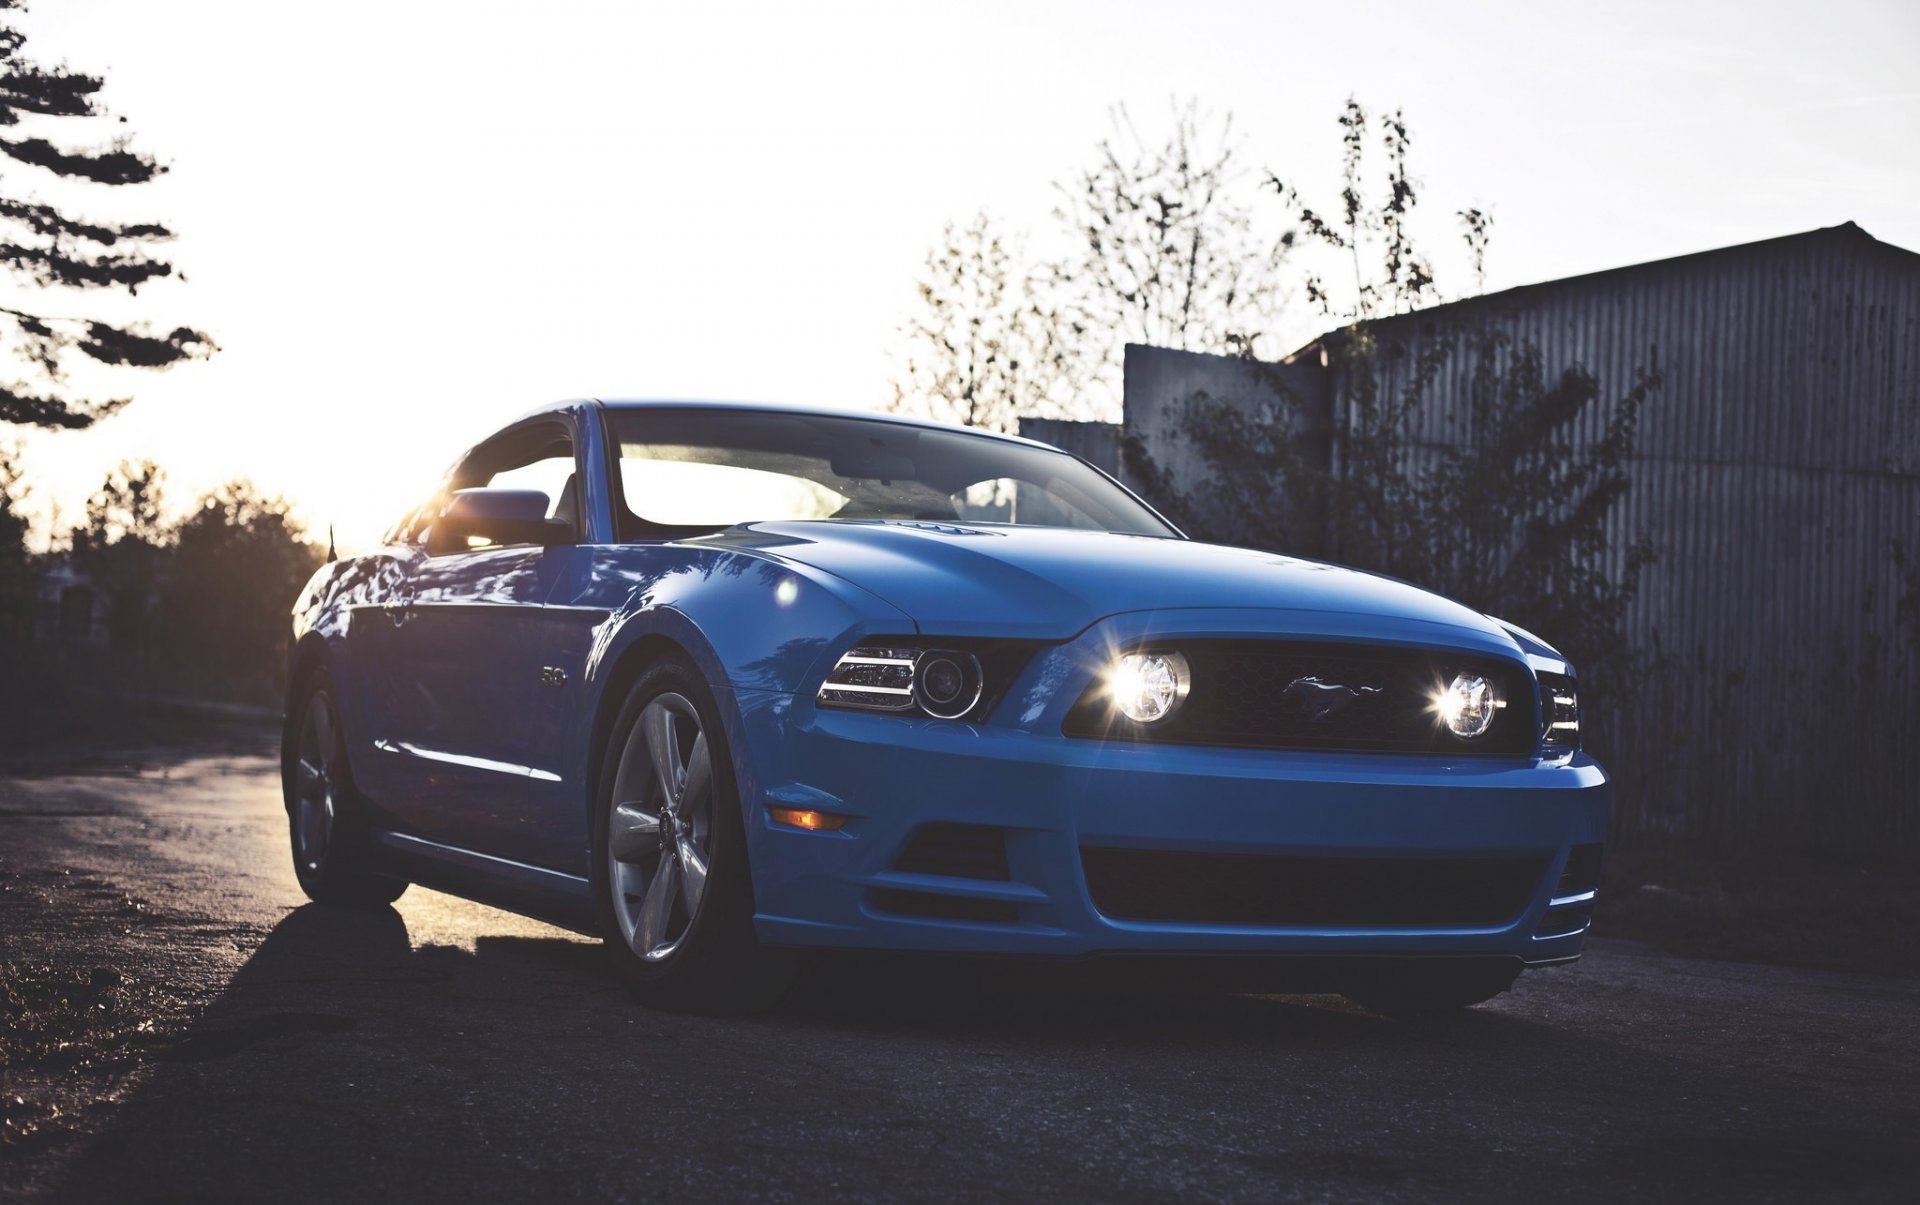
[(180, 1026)]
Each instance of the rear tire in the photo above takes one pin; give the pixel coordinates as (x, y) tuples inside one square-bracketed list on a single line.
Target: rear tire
[(670, 857), (1431, 991), (324, 817)]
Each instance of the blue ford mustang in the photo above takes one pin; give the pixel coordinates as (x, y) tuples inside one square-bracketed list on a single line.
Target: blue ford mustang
[(724, 682)]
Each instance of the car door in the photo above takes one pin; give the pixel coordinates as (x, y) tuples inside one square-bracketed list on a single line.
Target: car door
[(463, 659)]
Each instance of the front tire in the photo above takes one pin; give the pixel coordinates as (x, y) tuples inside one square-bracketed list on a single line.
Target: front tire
[(670, 856), (323, 817)]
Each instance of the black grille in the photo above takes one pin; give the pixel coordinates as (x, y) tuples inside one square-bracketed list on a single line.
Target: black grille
[(1254, 889), (1327, 697), (944, 907), (967, 851), (1582, 872), (1581, 877)]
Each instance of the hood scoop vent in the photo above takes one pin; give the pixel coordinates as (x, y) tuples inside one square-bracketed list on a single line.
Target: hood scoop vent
[(945, 529)]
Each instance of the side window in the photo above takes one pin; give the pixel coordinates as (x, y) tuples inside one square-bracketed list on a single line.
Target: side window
[(413, 528), (551, 475)]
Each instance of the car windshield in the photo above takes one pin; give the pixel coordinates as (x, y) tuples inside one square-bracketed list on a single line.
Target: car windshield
[(712, 468)]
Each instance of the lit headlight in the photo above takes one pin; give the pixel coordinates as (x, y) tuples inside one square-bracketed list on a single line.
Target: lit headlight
[(1468, 704), (941, 682), (1148, 687)]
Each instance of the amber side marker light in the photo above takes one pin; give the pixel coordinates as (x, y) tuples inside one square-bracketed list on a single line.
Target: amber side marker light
[(818, 822)]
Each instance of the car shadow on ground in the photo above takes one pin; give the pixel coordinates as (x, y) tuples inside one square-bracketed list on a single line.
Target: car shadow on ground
[(350, 1058), (316, 947)]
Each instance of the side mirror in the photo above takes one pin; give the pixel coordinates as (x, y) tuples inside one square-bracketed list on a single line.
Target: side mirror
[(496, 516)]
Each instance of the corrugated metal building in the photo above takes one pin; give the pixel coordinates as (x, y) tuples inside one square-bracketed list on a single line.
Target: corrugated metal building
[(1776, 473)]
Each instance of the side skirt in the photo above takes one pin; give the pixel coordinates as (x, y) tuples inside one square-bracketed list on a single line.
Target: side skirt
[(548, 895)]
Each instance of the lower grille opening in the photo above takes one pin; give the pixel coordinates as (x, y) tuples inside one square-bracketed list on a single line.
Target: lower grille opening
[(1578, 886), (944, 907), (1309, 892), (964, 851), (1582, 872)]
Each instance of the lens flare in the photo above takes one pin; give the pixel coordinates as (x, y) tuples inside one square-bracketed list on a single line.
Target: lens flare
[(1467, 706), (1147, 687)]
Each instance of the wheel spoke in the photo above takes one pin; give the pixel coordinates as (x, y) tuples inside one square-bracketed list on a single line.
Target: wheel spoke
[(651, 933), (308, 772), (634, 833), (694, 790), (662, 749), (693, 876), (312, 821)]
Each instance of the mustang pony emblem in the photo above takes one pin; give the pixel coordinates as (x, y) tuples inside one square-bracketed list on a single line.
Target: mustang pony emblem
[(1324, 700)]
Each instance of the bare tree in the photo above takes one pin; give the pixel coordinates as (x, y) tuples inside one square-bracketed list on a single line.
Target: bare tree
[(1168, 248), (1366, 232), (982, 349), (1476, 230), (54, 252)]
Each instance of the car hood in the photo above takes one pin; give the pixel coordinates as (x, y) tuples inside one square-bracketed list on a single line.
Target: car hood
[(1050, 583)]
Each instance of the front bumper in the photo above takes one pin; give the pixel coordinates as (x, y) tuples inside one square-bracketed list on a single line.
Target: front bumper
[(1054, 795)]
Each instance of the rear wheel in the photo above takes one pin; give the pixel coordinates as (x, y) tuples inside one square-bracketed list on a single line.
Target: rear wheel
[(323, 821), (670, 849)]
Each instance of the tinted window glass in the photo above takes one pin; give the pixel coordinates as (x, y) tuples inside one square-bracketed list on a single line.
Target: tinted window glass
[(696, 468)]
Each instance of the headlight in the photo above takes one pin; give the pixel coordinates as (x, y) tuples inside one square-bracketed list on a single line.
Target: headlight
[(1468, 704), (1148, 687), (945, 683)]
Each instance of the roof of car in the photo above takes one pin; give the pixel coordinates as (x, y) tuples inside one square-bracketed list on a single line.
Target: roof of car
[(776, 408)]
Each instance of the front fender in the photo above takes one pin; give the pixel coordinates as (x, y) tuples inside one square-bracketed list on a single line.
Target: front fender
[(752, 624)]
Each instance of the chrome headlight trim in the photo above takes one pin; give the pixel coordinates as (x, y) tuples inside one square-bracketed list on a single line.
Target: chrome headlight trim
[(872, 678), (945, 683)]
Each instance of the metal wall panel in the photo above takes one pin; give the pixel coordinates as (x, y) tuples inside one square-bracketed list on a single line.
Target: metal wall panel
[(1777, 473), (1096, 443)]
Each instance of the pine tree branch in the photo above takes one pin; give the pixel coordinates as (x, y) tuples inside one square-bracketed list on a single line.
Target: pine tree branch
[(27, 88), (116, 165), (48, 266), (40, 410), (44, 340), (45, 219), (130, 347), (52, 248)]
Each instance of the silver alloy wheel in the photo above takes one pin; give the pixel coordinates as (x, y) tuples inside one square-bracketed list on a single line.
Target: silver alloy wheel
[(660, 826), (313, 787)]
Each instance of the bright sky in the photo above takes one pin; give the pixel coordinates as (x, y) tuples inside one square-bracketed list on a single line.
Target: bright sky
[(407, 222)]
